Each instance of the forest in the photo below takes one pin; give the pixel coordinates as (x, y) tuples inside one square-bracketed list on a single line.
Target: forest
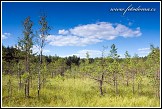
[(35, 80)]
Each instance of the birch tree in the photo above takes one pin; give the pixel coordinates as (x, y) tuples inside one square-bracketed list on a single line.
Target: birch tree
[(44, 32), (26, 43)]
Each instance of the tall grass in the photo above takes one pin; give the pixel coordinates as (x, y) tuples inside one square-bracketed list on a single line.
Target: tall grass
[(79, 92)]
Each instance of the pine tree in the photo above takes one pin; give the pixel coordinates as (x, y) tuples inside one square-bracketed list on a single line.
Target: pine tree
[(115, 67), (127, 66)]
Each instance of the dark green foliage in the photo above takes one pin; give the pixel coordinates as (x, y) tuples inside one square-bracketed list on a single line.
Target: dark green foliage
[(72, 60), (11, 54)]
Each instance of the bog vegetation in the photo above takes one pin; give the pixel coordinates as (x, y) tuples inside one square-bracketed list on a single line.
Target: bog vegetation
[(30, 79)]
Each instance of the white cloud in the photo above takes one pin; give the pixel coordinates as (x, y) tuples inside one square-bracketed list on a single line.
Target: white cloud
[(101, 30), (46, 51), (5, 35), (60, 40), (105, 30), (144, 51), (127, 32), (92, 33), (63, 32), (36, 49)]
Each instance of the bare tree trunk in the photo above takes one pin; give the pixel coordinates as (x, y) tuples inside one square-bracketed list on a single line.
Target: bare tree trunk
[(39, 81), (138, 88), (38, 84), (133, 84), (43, 80), (157, 84), (28, 87), (101, 91), (127, 80), (116, 87), (28, 70), (52, 74), (19, 76), (101, 84), (20, 84), (114, 78), (116, 84), (9, 88), (31, 82), (25, 78), (25, 88)]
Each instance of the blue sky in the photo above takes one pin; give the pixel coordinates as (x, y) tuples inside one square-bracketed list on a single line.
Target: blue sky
[(81, 26)]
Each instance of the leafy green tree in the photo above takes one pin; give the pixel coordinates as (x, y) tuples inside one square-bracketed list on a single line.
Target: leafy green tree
[(154, 68), (52, 67), (115, 66), (44, 32), (113, 52), (127, 66), (61, 66), (140, 74), (19, 61), (96, 70), (134, 70), (25, 44)]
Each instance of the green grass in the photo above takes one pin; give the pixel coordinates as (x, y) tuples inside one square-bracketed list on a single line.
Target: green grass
[(79, 92)]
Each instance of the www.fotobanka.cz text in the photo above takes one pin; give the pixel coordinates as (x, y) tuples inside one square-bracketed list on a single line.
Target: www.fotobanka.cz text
[(130, 8)]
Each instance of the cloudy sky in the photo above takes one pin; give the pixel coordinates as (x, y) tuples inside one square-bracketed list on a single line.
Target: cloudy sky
[(82, 27)]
